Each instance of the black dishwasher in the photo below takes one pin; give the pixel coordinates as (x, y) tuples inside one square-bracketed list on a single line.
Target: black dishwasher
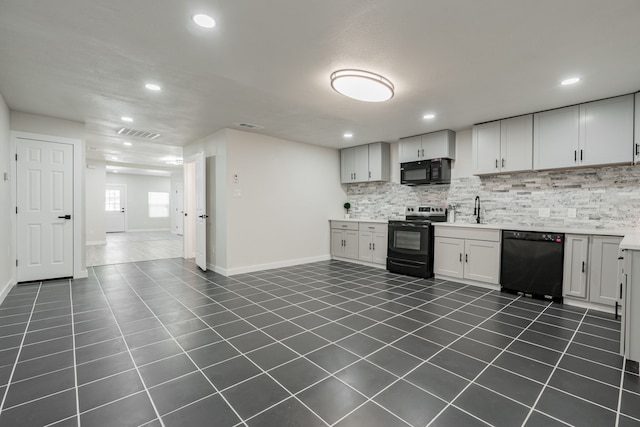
[(532, 263)]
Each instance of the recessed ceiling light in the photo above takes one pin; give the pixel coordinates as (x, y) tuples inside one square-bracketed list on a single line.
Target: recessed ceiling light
[(128, 144), (570, 81), (428, 116), (348, 135), (204, 21), (126, 119), (154, 87), (115, 171), (362, 85), (114, 158)]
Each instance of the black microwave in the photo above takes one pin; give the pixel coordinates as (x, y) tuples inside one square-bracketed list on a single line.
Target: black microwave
[(435, 171)]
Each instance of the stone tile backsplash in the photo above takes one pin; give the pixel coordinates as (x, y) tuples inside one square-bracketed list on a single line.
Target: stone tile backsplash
[(604, 198)]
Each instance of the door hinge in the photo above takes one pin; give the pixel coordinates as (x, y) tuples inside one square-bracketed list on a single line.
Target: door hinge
[(16, 209), (16, 263), (16, 157)]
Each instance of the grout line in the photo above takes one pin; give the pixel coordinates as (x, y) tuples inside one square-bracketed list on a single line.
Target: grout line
[(129, 351), (75, 363), (15, 364), (546, 384)]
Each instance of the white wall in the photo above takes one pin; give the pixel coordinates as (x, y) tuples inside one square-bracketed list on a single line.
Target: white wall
[(7, 257), (463, 165), (137, 206), (95, 180), (177, 183)]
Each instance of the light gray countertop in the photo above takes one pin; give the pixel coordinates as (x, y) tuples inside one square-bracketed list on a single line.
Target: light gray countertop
[(592, 231), (377, 221)]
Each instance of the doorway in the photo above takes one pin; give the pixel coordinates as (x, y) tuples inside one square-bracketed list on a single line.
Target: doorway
[(115, 203)]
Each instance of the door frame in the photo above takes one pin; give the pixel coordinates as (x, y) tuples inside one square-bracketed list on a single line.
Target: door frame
[(126, 207), (79, 160)]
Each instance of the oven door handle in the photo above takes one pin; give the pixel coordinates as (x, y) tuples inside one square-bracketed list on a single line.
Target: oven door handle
[(402, 264)]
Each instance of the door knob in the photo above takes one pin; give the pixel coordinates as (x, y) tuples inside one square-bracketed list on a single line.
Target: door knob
[(203, 216)]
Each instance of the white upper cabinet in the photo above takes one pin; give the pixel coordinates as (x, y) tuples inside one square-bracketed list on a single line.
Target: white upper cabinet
[(595, 133), (369, 162), (434, 145), (606, 131), (503, 146), (555, 138)]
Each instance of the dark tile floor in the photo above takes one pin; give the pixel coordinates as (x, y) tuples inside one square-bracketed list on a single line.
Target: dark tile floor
[(161, 343)]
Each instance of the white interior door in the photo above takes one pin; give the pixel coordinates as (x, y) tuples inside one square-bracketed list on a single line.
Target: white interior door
[(115, 200), (44, 200), (201, 211)]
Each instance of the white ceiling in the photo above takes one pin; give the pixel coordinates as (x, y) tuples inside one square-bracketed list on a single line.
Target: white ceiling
[(268, 63)]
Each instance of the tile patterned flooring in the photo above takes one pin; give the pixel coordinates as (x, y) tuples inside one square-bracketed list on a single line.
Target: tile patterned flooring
[(135, 246), (160, 343)]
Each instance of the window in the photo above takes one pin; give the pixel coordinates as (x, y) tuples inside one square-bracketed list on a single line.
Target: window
[(112, 200), (158, 205)]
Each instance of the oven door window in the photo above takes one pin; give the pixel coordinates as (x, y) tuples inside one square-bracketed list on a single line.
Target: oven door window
[(407, 240)]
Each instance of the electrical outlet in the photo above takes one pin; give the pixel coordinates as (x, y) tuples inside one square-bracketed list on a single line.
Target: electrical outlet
[(236, 179), (572, 213), (237, 193), (544, 212)]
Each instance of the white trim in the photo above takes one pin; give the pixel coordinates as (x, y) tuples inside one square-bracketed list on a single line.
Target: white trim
[(6, 289), (485, 285), (358, 261), (79, 165), (96, 242), (147, 229), (268, 266)]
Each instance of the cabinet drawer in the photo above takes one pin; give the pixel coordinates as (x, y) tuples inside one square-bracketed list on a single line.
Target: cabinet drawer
[(373, 227), (468, 233), (345, 225)]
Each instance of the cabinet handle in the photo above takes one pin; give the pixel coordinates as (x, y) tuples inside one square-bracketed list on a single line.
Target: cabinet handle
[(616, 313), (583, 266), (620, 291), (418, 152), (580, 155), (496, 163), (466, 258), (637, 149), (575, 156), (423, 152), (369, 174), (369, 246), (344, 243), (355, 175), (502, 162), (374, 246), (460, 257)]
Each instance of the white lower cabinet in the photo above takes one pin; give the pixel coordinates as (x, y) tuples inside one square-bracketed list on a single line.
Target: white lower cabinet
[(344, 239), (467, 253), (364, 241), (591, 268), (373, 242)]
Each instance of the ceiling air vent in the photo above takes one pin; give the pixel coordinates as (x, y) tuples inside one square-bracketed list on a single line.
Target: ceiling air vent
[(248, 126), (138, 133)]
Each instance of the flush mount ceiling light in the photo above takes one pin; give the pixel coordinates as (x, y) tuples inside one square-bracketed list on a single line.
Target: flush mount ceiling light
[(348, 135), (204, 21), (154, 87), (128, 144), (570, 81), (429, 116), (126, 119), (362, 85)]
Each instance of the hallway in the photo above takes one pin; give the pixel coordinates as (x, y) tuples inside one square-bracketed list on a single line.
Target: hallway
[(134, 247)]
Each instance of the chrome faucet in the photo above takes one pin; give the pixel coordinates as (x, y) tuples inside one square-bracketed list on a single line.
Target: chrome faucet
[(476, 209)]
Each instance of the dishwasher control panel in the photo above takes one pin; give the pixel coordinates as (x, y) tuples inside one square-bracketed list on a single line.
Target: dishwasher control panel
[(533, 236)]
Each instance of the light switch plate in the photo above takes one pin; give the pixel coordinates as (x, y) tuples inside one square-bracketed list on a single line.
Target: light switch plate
[(572, 213), (544, 212)]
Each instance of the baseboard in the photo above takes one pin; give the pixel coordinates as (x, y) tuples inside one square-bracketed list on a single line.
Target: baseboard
[(96, 242), (469, 282), (6, 289), (588, 305), (147, 229), (269, 266)]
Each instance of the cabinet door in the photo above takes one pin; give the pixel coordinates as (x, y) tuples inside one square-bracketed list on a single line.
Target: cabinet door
[(365, 251), (603, 270), (347, 165), (555, 138), (361, 163), (516, 144), (606, 131), (448, 254), (337, 242), (636, 142), (351, 239), (437, 145), (379, 161), (410, 149), (482, 261), (576, 252), (379, 241), (486, 148)]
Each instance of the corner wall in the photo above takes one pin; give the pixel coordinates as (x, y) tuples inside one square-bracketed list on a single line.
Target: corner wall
[(95, 180), (7, 257)]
